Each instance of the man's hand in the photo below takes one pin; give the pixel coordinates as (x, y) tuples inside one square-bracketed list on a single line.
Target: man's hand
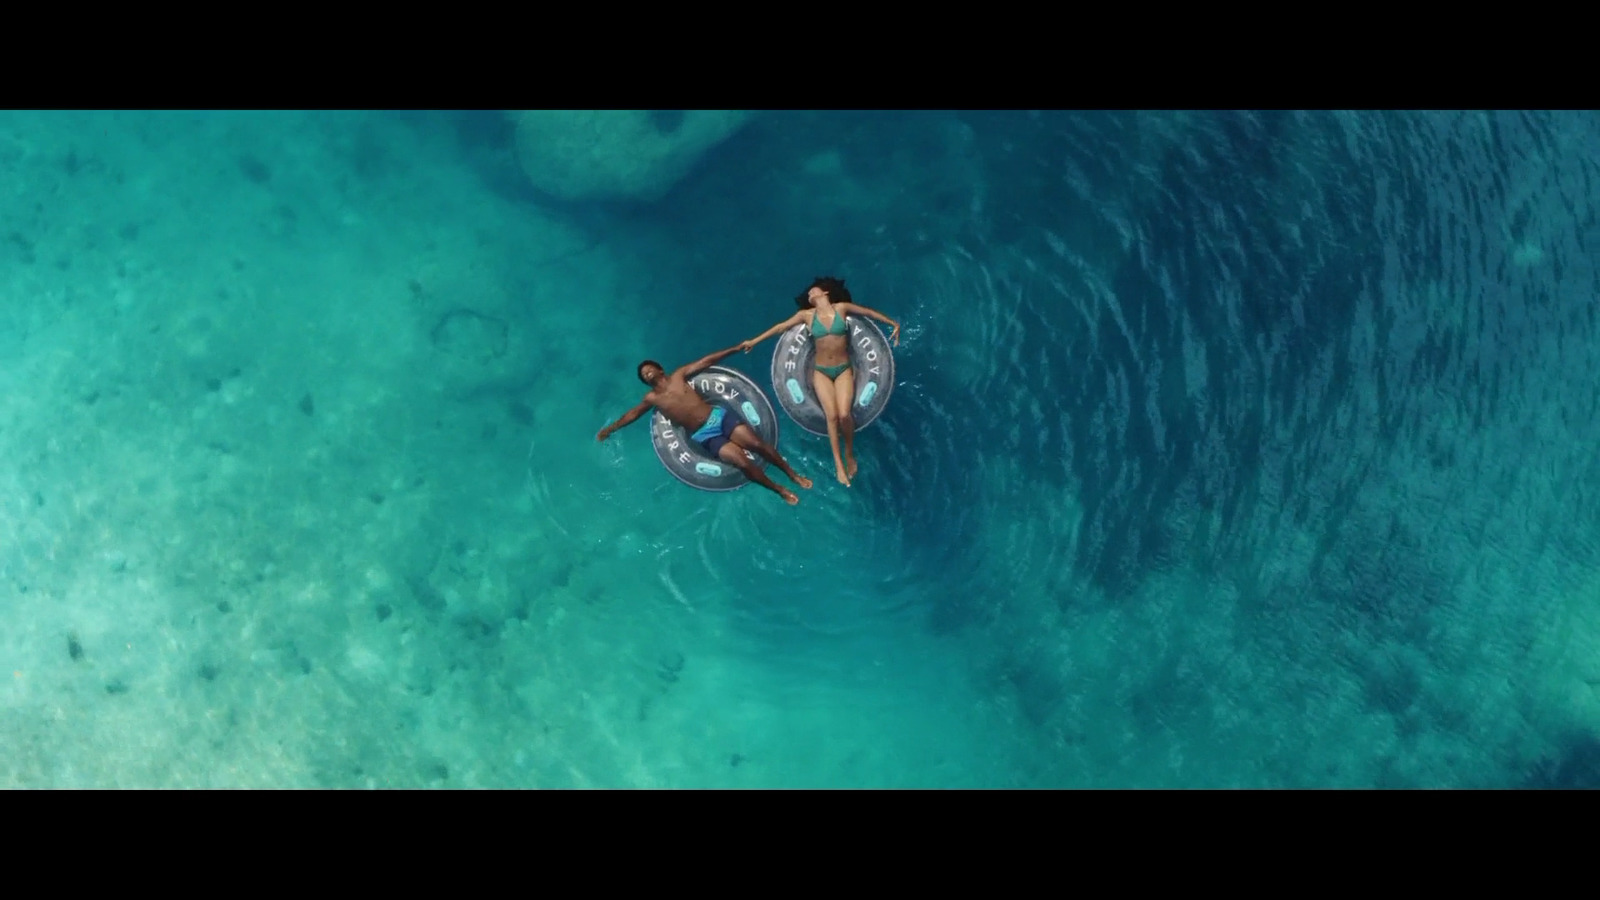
[(628, 418), (746, 345), (706, 362)]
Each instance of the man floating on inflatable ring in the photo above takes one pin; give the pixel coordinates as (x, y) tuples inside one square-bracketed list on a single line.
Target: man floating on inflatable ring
[(718, 429)]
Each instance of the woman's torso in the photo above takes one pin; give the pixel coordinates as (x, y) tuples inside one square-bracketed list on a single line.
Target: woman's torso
[(831, 335)]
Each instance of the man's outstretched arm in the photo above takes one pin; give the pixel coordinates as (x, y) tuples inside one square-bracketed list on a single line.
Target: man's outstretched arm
[(628, 418), (706, 362)]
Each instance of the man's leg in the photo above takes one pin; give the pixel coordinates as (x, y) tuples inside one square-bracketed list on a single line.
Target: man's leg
[(734, 456), (746, 437)]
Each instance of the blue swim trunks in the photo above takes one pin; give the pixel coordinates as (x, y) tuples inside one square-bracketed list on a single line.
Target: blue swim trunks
[(717, 430)]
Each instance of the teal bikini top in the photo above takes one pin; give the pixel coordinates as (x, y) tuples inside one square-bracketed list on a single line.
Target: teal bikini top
[(838, 326)]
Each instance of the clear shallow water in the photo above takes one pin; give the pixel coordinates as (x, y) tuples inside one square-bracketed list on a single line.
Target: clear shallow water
[(1230, 449)]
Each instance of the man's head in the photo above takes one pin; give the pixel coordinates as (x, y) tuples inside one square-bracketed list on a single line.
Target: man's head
[(827, 286), (650, 372)]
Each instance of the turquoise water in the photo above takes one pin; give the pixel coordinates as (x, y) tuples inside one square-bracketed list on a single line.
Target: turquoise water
[(1227, 450)]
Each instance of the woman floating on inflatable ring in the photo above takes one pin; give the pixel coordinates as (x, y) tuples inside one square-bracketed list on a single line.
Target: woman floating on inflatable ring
[(823, 307)]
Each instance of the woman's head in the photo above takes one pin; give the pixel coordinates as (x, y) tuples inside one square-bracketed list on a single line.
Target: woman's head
[(826, 285)]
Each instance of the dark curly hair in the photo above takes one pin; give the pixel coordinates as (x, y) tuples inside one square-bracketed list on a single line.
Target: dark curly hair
[(639, 371), (833, 287)]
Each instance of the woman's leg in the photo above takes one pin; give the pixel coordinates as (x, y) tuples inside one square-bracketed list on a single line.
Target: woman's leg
[(824, 388), (844, 398)]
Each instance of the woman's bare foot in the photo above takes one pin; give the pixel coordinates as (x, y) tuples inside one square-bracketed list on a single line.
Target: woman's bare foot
[(839, 472), (850, 465)]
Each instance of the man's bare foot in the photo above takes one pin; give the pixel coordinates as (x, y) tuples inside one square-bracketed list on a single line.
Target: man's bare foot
[(803, 481), (850, 465), (839, 472), (788, 496)]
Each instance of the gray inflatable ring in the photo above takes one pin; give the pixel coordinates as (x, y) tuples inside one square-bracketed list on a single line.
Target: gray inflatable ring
[(870, 359), (686, 460)]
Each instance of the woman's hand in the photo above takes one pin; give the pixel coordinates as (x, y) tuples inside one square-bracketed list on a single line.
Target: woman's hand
[(746, 345), (895, 337)]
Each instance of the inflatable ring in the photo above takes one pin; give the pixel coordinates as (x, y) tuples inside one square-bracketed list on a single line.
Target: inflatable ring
[(686, 459), (870, 359)]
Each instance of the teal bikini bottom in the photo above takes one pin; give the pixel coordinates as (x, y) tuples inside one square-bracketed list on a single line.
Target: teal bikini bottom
[(833, 372)]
